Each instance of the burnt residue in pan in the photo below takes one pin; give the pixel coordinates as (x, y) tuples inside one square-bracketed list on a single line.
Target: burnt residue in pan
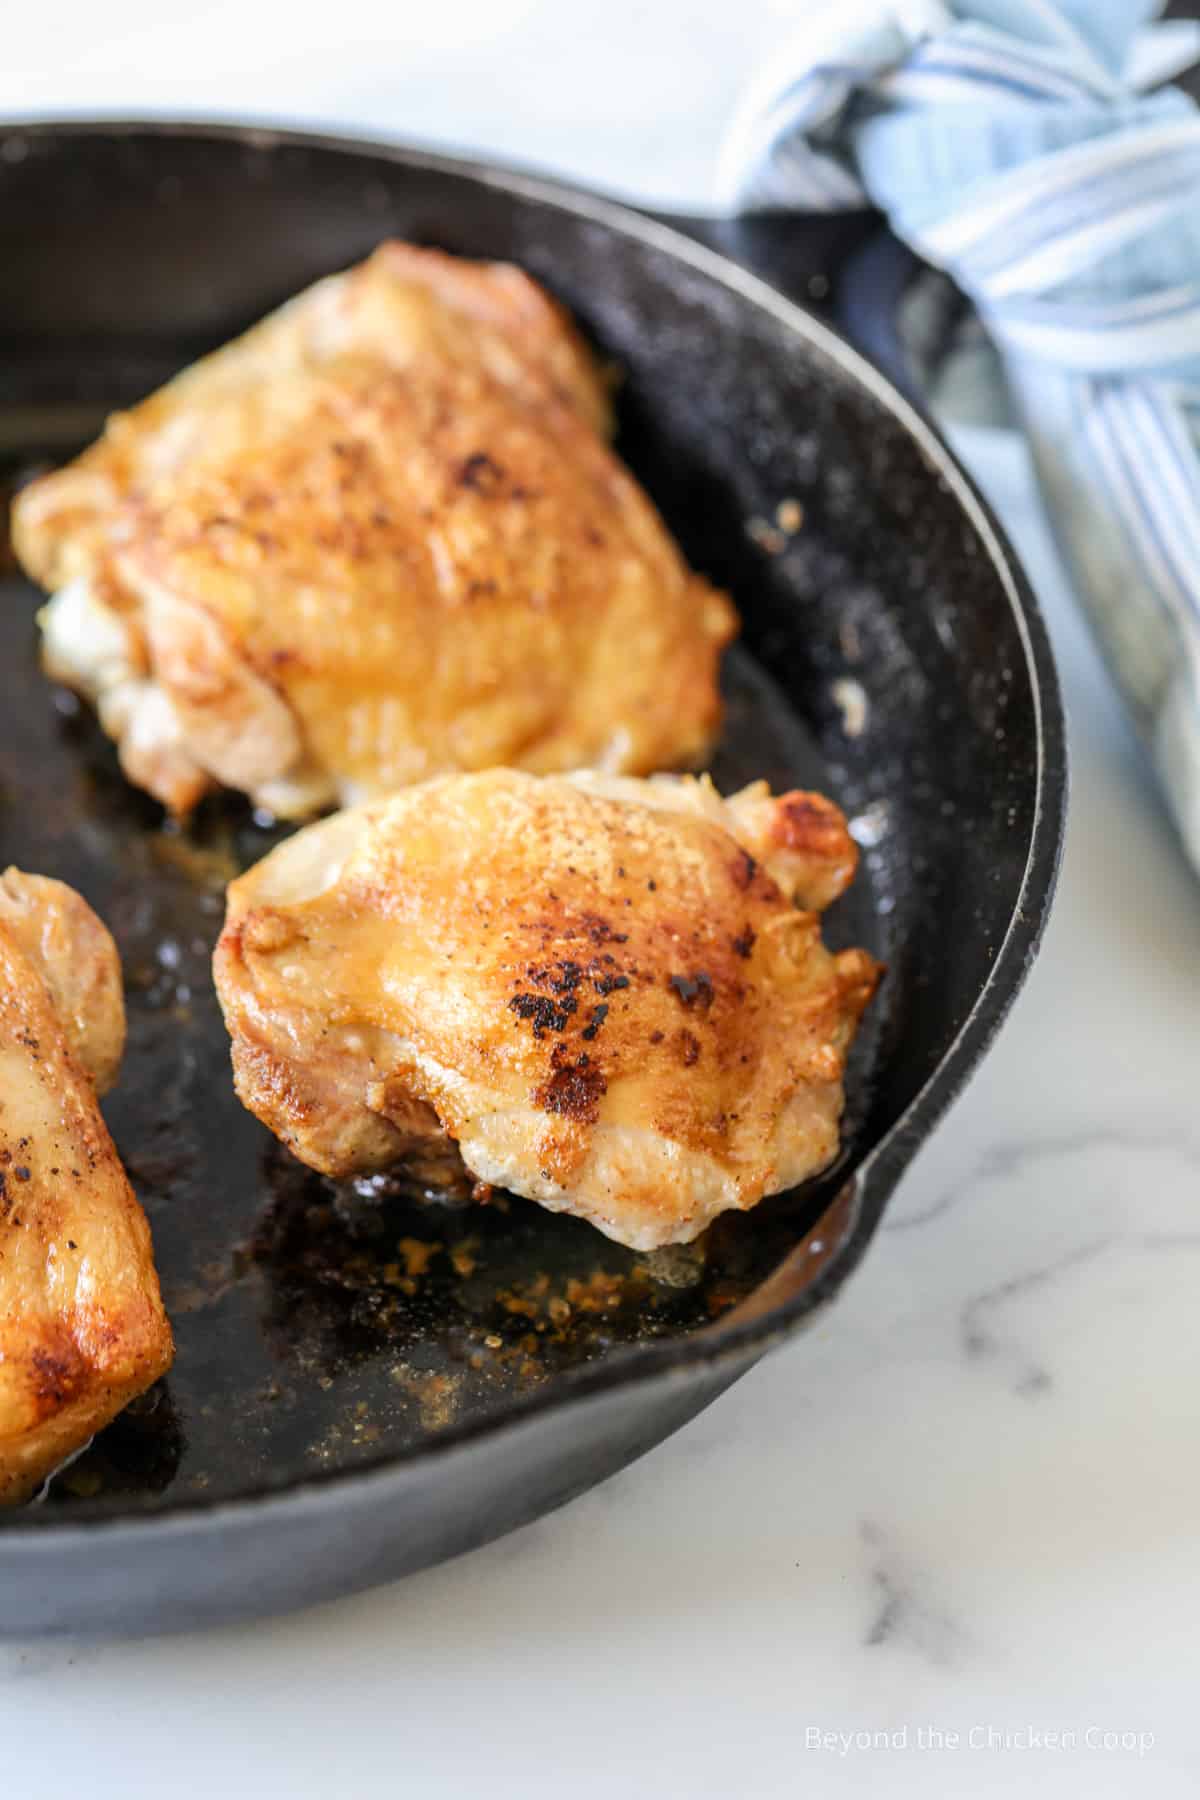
[(322, 1325)]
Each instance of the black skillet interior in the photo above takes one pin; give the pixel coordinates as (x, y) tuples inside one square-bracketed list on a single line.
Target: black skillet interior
[(319, 1327)]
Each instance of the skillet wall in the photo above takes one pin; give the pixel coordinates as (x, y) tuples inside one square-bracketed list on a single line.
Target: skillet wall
[(726, 412)]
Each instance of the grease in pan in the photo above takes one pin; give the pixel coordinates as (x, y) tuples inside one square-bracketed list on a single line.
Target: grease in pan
[(948, 645)]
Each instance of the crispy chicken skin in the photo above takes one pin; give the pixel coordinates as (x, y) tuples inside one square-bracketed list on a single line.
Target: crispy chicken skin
[(609, 995), (82, 1327), (379, 537), (76, 958)]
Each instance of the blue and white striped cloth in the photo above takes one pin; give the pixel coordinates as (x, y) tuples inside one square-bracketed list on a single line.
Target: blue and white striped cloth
[(1012, 143)]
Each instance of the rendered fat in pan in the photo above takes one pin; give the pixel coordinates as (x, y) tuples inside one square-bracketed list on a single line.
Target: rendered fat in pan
[(366, 1383)]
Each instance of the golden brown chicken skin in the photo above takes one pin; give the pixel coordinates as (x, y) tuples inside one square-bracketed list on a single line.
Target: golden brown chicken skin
[(608, 995), (379, 537), (82, 1327)]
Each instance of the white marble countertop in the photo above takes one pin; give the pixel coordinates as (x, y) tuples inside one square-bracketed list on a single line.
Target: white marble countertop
[(967, 1502)]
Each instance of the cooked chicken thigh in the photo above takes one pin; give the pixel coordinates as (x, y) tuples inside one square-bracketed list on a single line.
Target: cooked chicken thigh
[(379, 537), (606, 994), (82, 1327)]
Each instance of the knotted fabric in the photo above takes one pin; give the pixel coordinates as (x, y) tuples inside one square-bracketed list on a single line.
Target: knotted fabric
[(1014, 145)]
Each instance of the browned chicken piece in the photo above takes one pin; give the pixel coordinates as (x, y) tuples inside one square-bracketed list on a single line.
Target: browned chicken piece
[(609, 995), (82, 1326), (75, 956), (380, 537)]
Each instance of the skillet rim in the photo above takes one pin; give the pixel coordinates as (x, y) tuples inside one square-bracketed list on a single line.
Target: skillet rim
[(870, 1185)]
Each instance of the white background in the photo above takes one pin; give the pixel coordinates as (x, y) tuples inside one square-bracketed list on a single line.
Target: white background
[(629, 94), (969, 1498)]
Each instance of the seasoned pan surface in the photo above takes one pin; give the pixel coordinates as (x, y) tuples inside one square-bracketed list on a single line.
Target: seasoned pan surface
[(321, 1325), (891, 655)]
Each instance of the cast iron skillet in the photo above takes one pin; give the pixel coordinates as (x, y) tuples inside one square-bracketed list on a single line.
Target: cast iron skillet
[(367, 1381)]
